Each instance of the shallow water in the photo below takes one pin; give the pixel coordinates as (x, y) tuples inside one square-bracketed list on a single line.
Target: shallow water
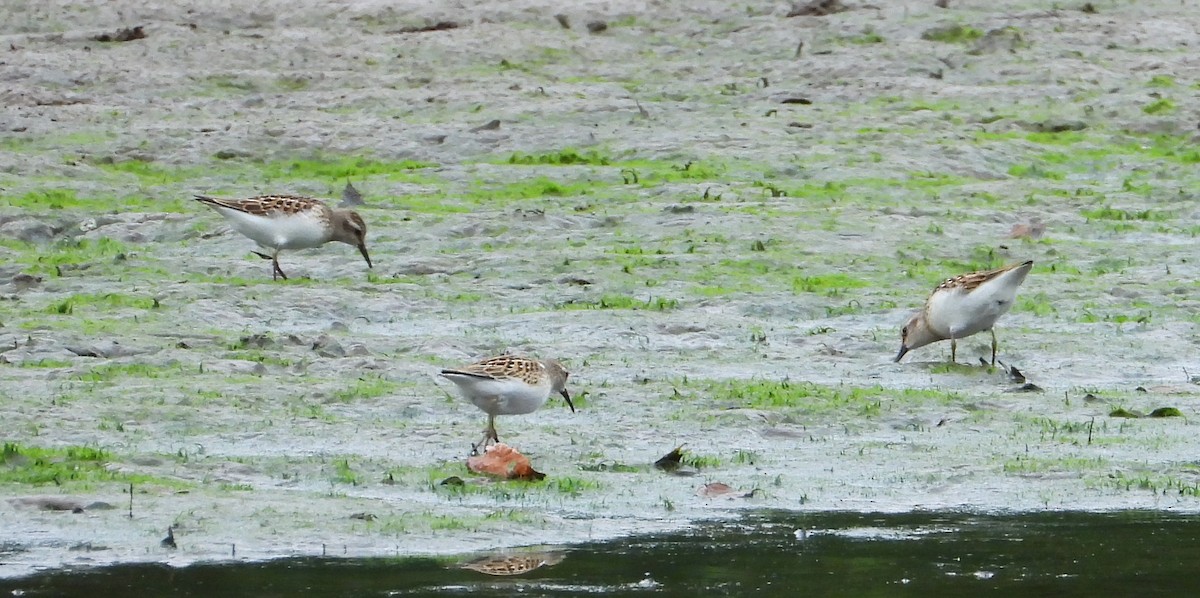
[(858, 554)]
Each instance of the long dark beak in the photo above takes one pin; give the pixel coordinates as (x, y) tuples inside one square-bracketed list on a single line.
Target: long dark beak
[(362, 248), (566, 395), (903, 350)]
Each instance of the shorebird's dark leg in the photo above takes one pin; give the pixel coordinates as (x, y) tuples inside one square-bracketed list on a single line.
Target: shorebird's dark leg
[(993, 347), (276, 272), (489, 435), (491, 429), (953, 350)]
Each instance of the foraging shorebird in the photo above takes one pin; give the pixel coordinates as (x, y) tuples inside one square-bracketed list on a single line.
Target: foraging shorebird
[(509, 385), (279, 222), (962, 306)]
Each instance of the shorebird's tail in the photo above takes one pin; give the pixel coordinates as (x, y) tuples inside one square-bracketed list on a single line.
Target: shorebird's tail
[(210, 201), (460, 373), (217, 202), (1020, 271)]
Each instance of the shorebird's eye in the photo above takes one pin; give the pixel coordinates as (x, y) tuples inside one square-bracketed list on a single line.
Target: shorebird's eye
[(904, 331)]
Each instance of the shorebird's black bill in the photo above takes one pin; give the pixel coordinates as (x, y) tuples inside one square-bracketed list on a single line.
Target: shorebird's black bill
[(363, 250), (903, 350), (566, 395)]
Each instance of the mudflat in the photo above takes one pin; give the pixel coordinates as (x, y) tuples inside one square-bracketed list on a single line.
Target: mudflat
[(716, 215)]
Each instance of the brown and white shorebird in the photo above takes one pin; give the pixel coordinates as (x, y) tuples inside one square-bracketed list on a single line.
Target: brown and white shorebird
[(279, 222), (509, 385), (962, 306)]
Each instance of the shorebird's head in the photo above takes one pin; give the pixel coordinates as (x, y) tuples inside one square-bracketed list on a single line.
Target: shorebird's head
[(916, 333), (350, 229), (558, 380)]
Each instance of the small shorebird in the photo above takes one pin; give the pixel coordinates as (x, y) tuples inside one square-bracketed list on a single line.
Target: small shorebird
[(279, 222), (962, 306), (509, 385)]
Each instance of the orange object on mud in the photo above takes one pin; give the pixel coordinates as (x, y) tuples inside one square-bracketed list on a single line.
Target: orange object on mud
[(504, 462)]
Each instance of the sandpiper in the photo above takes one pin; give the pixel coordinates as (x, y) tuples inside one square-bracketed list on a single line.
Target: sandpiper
[(509, 385), (279, 222), (962, 306)]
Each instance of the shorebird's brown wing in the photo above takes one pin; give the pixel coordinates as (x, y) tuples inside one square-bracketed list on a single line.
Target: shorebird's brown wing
[(263, 205), (971, 281), (503, 366)]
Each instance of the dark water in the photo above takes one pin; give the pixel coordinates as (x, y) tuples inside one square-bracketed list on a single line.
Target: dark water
[(838, 554)]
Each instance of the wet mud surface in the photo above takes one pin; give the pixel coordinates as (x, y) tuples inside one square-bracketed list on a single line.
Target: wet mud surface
[(715, 215)]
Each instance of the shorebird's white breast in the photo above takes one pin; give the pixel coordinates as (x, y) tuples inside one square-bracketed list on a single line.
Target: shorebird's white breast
[(956, 314), (504, 396), (292, 231)]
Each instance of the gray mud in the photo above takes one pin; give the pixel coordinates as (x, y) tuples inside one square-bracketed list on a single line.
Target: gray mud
[(742, 297)]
